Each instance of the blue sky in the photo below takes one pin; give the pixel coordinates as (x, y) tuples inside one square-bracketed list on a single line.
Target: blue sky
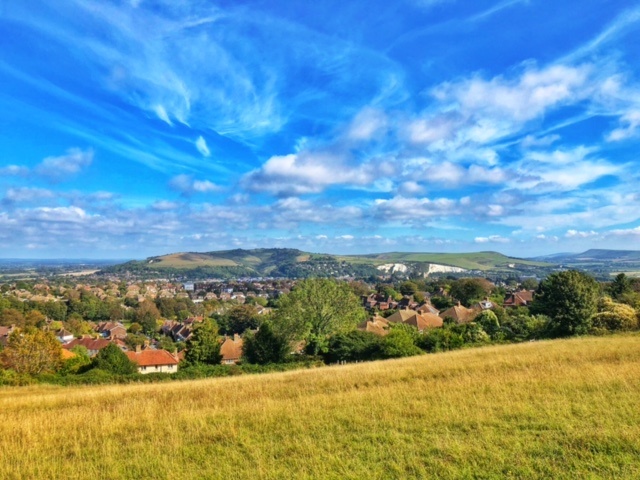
[(135, 128)]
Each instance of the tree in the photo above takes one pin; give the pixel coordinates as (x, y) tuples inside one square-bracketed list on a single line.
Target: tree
[(529, 284), (240, 318), (11, 316), (408, 288), (620, 286), (134, 328), (570, 299), (34, 319), (32, 351), (147, 315), (360, 288), (112, 359), (203, 347), (265, 346), (471, 290), (489, 322), (317, 309)]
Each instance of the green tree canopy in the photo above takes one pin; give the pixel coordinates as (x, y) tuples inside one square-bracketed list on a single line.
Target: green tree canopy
[(620, 286), (112, 359), (317, 309), (570, 299), (146, 315), (240, 318), (470, 290), (265, 346), (530, 284), (408, 288), (488, 321), (203, 347), (353, 346), (400, 342)]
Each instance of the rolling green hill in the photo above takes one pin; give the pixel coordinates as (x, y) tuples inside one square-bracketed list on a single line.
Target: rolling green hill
[(292, 263), (469, 261)]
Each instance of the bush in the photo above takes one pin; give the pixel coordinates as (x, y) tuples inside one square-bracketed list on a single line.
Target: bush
[(353, 346), (400, 342), (113, 360), (439, 340), (614, 316)]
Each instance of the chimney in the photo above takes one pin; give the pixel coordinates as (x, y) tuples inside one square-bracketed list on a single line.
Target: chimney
[(138, 349), (236, 337)]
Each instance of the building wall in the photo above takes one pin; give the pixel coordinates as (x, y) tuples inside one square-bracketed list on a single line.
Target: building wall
[(158, 369)]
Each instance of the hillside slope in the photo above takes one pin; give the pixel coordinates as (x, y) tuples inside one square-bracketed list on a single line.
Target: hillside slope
[(557, 409), (470, 261), (292, 263)]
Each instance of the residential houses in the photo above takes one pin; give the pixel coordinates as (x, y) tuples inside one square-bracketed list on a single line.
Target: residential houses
[(154, 361), (522, 298), (93, 345)]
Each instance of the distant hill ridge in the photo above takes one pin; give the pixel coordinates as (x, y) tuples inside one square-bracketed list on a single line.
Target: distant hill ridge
[(593, 254), (294, 263)]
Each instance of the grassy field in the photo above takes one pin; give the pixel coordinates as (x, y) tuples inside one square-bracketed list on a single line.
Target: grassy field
[(192, 260), (470, 261), (556, 409)]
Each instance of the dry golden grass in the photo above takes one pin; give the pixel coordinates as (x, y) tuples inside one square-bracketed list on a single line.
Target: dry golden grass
[(558, 409)]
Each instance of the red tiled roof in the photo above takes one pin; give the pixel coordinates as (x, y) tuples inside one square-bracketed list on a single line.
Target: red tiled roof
[(88, 343), (150, 358)]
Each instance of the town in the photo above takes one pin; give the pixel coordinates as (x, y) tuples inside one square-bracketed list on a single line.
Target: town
[(72, 328)]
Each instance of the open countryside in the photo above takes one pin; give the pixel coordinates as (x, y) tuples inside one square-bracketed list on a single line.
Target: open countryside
[(320, 240), (553, 409)]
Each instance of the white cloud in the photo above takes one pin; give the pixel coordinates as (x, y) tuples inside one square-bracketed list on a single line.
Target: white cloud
[(187, 185), (561, 170), (306, 172), (544, 141), (625, 232), (201, 145), (204, 186), (368, 123), (492, 239), (579, 234), (412, 210), (14, 170), (410, 188), (521, 99), (430, 130), (631, 122), (59, 214), (164, 205), (61, 167), (27, 194)]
